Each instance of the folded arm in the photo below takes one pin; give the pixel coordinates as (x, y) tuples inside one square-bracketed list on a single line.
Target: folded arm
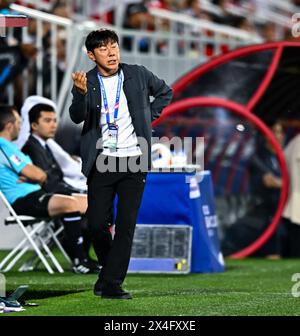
[(33, 174)]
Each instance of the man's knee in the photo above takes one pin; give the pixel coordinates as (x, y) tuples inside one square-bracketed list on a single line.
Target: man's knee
[(70, 205)]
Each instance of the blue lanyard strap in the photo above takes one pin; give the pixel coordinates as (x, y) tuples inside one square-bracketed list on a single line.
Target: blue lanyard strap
[(116, 110)]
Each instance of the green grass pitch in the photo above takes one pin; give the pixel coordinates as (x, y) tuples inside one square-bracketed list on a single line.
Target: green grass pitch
[(247, 287)]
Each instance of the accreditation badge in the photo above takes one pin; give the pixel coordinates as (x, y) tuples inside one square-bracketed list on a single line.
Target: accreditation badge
[(112, 136)]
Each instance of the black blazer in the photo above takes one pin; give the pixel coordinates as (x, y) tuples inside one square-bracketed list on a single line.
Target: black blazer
[(41, 158), (139, 84)]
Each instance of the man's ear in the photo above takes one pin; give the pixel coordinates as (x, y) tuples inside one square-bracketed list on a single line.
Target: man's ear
[(33, 126), (9, 126), (91, 56)]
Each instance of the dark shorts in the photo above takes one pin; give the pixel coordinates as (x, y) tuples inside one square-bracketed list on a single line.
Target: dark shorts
[(34, 204), (64, 189)]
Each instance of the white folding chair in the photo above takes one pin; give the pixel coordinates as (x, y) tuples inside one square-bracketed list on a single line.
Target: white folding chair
[(39, 236)]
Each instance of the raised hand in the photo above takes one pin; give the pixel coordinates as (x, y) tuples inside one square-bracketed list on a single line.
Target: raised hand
[(79, 79)]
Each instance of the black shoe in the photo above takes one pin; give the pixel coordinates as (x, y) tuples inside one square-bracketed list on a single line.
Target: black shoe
[(93, 264), (85, 266), (114, 292), (98, 288)]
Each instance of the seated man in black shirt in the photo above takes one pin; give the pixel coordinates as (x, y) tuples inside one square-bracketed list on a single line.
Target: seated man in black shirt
[(43, 126)]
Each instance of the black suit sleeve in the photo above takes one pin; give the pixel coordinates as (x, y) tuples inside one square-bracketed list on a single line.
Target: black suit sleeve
[(161, 92), (40, 159), (35, 156), (78, 108)]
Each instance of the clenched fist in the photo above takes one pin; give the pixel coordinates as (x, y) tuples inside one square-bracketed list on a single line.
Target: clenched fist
[(79, 79)]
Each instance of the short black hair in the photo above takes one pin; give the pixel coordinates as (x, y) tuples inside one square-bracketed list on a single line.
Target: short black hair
[(35, 112), (98, 38), (6, 115)]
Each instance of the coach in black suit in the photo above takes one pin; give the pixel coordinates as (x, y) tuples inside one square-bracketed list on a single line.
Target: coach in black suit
[(113, 100)]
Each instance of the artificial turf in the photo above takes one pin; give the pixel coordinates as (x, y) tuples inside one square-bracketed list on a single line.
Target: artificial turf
[(247, 287)]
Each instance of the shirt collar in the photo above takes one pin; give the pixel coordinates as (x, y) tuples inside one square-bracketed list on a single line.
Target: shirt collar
[(40, 140)]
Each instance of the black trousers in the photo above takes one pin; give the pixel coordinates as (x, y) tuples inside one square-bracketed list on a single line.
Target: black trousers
[(114, 255), (290, 239)]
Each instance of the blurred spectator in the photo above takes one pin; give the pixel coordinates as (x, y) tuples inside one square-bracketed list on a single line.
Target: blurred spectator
[(19, 57), (192, 8), (163, 24), (269, 32), (266, 183), (137, 16), (265, 186), (60, 66), (242, 23), (224, 13), (30, 37), (291, 212), (265, 171), (60, 8)]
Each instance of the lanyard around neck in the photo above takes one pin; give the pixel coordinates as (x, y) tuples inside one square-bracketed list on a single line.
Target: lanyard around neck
[(105, 102)]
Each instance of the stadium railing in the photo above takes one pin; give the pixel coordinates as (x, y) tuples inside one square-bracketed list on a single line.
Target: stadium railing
[(169, 53), (56, 23)]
